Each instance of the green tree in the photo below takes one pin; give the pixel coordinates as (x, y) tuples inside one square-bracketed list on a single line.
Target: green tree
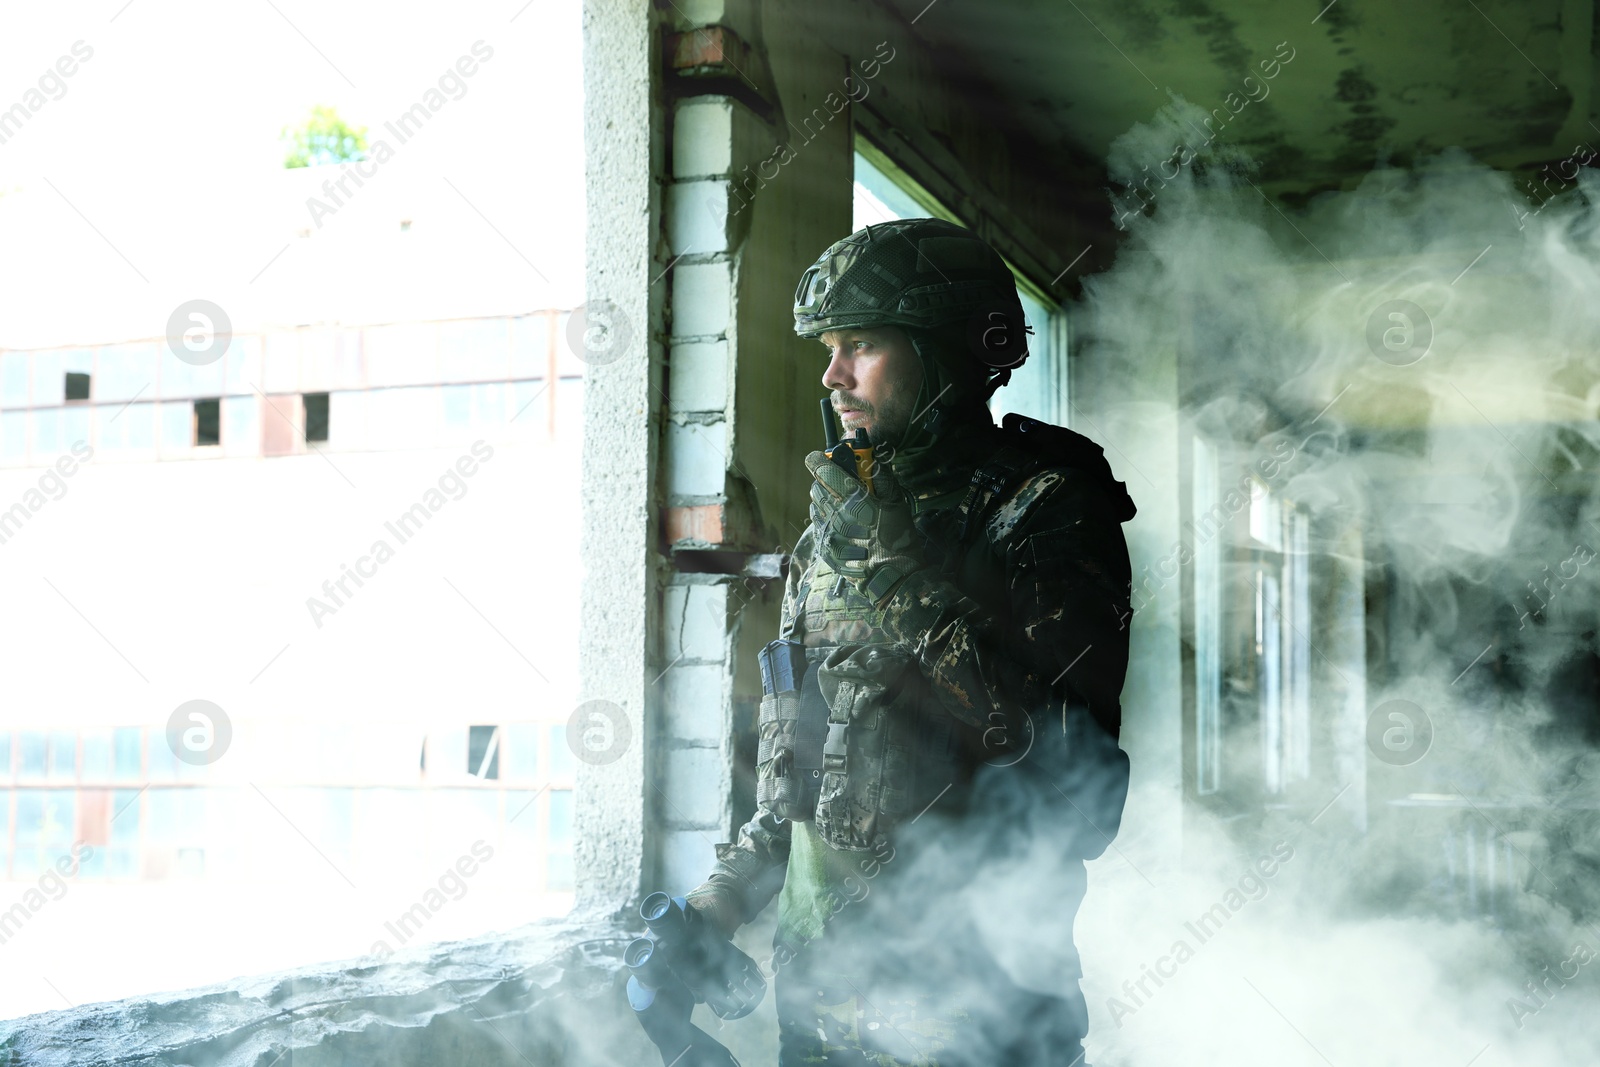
[(323, 138)]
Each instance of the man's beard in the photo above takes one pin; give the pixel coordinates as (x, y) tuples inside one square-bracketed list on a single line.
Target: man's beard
[(884, 426)]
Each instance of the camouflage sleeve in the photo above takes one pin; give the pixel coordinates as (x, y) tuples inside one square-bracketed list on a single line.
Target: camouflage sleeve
[(1059, 631), (749, 872)]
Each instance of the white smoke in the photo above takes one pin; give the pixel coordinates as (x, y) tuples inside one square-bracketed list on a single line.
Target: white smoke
[(1458, 439), (1413, 363)]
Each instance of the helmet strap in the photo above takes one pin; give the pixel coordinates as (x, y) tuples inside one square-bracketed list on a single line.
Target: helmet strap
[(1001, 378)]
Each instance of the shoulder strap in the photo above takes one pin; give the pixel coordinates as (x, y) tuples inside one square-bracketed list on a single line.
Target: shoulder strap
[(988, 482), (802, 594)]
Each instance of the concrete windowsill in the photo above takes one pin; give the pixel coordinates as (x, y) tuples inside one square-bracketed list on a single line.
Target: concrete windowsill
[(549, 993)]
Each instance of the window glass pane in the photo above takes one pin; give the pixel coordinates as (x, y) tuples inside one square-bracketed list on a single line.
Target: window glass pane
[(46, 434), (45, 818), (241, 426), (78, 360), (125, 745), (49, 380), (519, 755), (163, 764), (74, 428), (141, 427), (13, 438), (59, 818), (110, 430), (122, 860), (481, 405), (180, 379), (91, 862), (241, 367), (124, 430), (174, 817), (560, 818), (31, 754), (483, 751), (457, 405), (5, 758), (44, 825), (530, 346), (473, 350), (558, 860), (125, 372), (527, 412), (177, 428), (174, 826), (63, 755), (30, 816), (878, 198), (484, 405), (561, 763), (1266, 516), (447, 753), (14, 379), (97, 755)]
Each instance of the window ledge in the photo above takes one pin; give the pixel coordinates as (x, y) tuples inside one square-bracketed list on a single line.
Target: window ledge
[(551, 992)]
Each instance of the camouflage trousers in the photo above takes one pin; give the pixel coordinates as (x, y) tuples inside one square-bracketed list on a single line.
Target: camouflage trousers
[(841, 1027)]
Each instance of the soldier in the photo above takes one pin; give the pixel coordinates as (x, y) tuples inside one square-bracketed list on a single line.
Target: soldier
[(937, 752)]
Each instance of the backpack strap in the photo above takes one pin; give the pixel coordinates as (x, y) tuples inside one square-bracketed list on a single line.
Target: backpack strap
[(802, 594), (989, 481)]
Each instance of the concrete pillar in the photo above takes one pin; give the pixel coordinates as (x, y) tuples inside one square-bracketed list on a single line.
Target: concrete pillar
[(620, 610)]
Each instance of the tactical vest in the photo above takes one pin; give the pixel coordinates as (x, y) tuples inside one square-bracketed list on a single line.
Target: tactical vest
[(851, 735)]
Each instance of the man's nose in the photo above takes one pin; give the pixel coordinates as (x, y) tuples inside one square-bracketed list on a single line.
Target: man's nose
[(838, 375)]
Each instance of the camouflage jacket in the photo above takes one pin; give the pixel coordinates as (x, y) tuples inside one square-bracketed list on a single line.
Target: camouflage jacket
[(1020, 617)]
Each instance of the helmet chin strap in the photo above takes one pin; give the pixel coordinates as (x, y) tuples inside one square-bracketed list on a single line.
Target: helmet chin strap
[(941, 404)]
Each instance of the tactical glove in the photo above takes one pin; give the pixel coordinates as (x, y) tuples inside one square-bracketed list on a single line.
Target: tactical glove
[(866, 537)]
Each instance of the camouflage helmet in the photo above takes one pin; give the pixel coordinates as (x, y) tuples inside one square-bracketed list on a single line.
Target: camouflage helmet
[(925, 275)]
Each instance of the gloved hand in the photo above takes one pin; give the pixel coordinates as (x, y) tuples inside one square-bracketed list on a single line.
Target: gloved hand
[(714, 904), (867, 537)]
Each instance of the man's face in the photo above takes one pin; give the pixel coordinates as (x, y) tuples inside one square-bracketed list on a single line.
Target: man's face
[(874, 375)]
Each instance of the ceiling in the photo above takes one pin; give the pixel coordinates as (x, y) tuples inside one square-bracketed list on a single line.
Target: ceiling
[(1510, 81)]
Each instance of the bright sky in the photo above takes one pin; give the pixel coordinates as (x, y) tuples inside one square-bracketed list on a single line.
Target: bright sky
[(155, 174)]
